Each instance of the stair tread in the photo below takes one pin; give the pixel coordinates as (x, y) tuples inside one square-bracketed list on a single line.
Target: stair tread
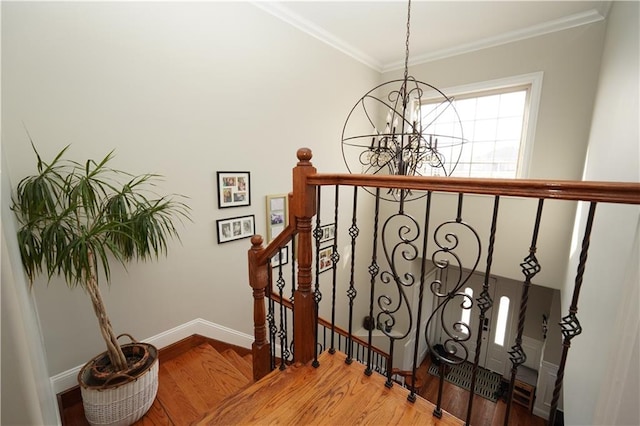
[(332, 393), (240, 363), (201, 379)]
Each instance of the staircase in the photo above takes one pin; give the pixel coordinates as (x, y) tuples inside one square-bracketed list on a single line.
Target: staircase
[(195, 376), (208, 383), (196, 382)]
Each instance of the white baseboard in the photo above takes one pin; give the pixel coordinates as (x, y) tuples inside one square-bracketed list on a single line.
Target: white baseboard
[(68, 379)]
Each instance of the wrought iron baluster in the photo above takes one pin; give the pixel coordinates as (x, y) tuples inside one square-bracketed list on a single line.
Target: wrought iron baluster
[(282, 333), (443, 257), (271, 321), (423, 268), (389, 382), (324, 336), (351, 292), (373, 271), (293, 290), (317, 296), (530, 268), (569, 324), (484, 304), (335, 258)]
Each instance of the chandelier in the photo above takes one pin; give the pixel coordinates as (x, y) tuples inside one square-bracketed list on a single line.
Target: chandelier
[(403, 127)]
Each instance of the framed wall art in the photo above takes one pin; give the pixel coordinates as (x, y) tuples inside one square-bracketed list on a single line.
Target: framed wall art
[(234, 189), (282, 258), (235, 228), (277, 214), (325, 262), (328, 232)]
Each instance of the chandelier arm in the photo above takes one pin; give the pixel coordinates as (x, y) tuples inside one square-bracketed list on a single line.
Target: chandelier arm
[(411, 145)]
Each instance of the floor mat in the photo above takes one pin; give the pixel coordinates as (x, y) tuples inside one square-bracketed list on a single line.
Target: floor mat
[(487, 382)]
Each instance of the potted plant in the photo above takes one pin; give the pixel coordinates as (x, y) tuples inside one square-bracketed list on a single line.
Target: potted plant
[(75, 219)]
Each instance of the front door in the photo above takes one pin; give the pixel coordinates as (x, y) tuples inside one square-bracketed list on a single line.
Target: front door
[(496, 327)]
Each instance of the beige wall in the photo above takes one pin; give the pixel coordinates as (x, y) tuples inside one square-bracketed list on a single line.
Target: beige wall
[(608, 307), (184, 90)]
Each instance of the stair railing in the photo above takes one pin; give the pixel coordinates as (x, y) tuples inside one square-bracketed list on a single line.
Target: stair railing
[(304, 203)]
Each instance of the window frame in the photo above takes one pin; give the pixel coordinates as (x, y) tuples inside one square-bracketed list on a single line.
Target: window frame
[(533, 82)]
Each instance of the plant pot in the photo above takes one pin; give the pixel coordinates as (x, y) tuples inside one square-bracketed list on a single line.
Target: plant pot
[(120, 398)]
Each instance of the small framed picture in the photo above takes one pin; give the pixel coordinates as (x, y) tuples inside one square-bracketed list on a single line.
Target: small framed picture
[(325, 262), (235, 228), (277, 214), (234, 189), (281, 258), (328, 232)]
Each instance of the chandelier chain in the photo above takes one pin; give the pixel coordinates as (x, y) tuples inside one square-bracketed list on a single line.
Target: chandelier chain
[(406, 53)]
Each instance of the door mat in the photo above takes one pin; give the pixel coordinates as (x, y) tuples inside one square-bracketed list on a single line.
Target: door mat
[(487, 382)]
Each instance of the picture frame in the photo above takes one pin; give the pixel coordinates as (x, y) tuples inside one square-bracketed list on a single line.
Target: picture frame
[(282, 259), (234, 189), (235, 228), (277, 214), (325, 262), (328, 232)]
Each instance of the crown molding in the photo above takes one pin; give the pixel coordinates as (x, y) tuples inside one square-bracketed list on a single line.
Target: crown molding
[(283, 13), (315, 31), (548, 27)]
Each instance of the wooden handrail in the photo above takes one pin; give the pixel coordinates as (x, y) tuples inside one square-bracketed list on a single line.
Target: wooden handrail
[(302, 202), (608, 192)]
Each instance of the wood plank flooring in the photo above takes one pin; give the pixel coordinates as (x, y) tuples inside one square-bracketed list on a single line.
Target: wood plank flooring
[(332, 394), (485, 412), (189, 384)]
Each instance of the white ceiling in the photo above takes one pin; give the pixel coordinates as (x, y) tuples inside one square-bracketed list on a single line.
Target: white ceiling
[(374, 32)]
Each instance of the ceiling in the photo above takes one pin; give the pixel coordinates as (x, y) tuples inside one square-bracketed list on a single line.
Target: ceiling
[(374, 32)]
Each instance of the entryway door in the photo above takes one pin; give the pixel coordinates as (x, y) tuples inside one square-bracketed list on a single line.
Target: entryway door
[(497, 326)]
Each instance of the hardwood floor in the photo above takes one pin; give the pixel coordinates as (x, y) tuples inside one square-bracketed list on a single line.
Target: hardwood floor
[(332, 394), (486, 413), (194, 378)]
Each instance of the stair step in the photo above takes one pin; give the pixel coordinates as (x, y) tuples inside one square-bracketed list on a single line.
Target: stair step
[(240, 363), (196, 382), (333, 393)]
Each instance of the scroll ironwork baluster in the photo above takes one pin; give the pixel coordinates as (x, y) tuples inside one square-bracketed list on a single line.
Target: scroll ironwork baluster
[(423, 267), (442, 258), (530, 268)]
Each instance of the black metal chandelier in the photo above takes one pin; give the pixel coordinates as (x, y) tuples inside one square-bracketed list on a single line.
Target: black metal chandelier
[(420, 132)]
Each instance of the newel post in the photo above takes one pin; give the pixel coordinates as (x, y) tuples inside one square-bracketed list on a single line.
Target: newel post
[(258, 280), (304, 208)]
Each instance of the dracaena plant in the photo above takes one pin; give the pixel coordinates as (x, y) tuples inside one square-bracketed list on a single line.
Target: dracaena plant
[(76, 218)]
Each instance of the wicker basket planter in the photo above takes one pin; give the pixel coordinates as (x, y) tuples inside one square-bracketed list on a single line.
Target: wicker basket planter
[(120, 398)]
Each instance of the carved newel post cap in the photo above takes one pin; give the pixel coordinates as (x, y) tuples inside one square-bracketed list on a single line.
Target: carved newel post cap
[(304, 155), (256, 241)]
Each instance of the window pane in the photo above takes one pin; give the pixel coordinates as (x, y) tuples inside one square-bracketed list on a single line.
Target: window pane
[(492, 126), (503, 315), (512, 104), (466, 307), (509, 128)]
